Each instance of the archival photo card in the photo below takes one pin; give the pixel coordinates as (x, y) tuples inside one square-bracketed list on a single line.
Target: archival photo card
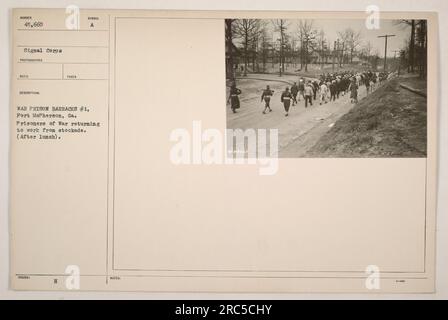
[(333, 88)]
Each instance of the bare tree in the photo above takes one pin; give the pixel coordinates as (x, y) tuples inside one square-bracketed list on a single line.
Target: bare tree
[(306, 36), (367, 51), (354, 43), (281, 26), (229, 49), (258, 37), (342, 46), (265, 46), (375, 59), (351, 40), (411, 49), (412, 46), (246, 30), (421, 39), (322, 47), (416, 47)]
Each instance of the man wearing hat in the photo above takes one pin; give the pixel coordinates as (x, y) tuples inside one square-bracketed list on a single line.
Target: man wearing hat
[(266, 96), (286, 100)]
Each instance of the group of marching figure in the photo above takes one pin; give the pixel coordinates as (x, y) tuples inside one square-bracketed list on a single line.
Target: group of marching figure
[(329, 87)]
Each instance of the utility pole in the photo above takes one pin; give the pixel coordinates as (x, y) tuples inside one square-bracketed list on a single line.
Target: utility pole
[(386, 36)]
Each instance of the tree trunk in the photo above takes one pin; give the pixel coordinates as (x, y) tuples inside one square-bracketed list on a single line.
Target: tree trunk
[(422, 49), (229, 43), (306, 56), (412, 47), (425, 52), (246, 43)]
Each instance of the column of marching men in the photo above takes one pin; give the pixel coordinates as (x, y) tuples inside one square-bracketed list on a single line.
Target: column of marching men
[(328, 88)]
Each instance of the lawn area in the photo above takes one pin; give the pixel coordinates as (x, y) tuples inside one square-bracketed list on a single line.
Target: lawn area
[(391, 122), (314, 70), (415, 83)]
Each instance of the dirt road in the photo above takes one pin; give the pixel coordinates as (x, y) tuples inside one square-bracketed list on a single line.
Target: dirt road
[(298, 132)]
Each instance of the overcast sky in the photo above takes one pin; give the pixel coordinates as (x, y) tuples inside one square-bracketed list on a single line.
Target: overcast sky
[(331, 28)]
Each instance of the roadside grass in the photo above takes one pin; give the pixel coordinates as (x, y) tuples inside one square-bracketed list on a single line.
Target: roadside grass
[(415, 82), (391, 122)]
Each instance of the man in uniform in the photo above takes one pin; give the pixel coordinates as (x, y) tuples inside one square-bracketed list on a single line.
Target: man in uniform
[(333, 90), (301, 88), (323, 92), (234, 100), (266, 96), (354, 91), (316, 86), (294, 92), (286, 100), (309, 93)]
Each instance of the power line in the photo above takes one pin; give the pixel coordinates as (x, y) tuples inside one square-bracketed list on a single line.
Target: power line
[(386, 36)]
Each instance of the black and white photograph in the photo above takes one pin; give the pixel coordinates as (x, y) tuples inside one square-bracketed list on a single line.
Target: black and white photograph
[(333, 88)]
